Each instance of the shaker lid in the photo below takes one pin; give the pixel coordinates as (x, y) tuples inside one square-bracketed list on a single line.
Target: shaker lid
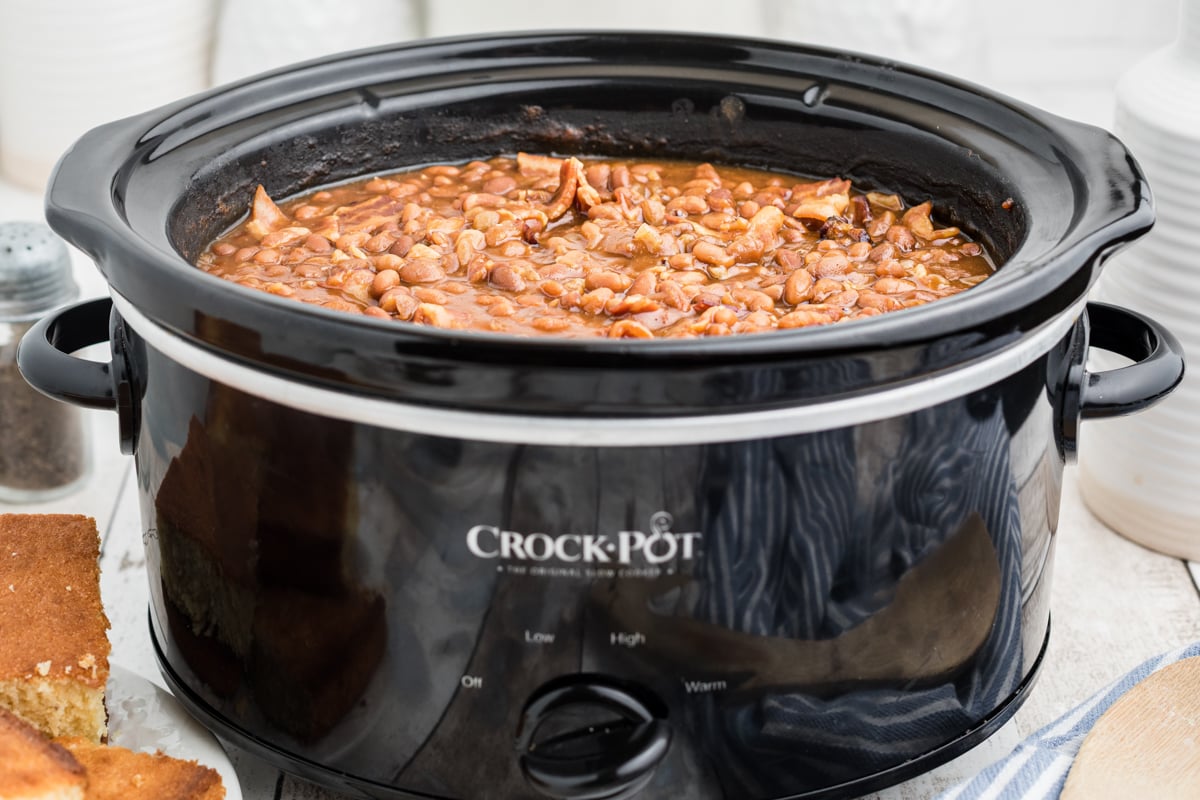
[(35, 270)]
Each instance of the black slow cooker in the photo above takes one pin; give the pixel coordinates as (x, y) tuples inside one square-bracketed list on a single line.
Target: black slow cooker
[(412, 562)]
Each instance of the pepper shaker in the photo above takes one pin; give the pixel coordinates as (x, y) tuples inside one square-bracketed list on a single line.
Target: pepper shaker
[(43, 443)]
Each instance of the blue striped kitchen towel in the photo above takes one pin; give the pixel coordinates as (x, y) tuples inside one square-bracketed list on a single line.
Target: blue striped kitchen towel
[(1037, 768)]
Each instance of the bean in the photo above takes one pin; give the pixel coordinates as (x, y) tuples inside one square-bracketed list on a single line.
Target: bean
[(858, 251), (688, 204), (598, 175), (485, 220), (894, 285), (267, 256), (551, 324), (357, 283), (422, 270), (513, 248), (318, 244), (502, 232), (479, 268), (672, 295), (500, 185), (340, 305), (502, 308), (711, 253), (720, 200), (878, 301), (387, 261), (380, 185), (629, 329), (384, 280), (605, 279), (484, 199), (468, 243), (753, 300), (653, 211), (845, 298), (434, 315), (402, 245), (608, 211), (646, 283), (379, 243), (505, 276), (832, 263), (802, 319), (530, 228), (620, 176), (594, 301), (798, 288), (427, 294)]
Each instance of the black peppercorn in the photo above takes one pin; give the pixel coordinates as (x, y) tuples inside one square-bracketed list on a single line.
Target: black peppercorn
[(43, 444)]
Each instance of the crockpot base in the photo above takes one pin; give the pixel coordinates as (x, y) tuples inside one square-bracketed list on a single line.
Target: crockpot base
[(341, 782)]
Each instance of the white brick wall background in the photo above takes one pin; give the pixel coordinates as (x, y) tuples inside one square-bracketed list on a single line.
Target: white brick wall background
[(1063, 56)]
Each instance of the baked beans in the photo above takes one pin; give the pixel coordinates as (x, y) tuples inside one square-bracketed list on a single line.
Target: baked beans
[(537, 245)]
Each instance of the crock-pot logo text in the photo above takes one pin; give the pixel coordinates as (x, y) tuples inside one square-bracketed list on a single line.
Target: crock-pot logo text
[(658, 545)]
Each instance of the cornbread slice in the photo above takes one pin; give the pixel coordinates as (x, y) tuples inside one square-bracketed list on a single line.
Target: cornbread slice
[(114, 773), (53, 632), (34, 768)]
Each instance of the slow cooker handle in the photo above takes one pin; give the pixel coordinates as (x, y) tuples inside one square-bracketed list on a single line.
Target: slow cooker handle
[(1156, 371), (44, 359)]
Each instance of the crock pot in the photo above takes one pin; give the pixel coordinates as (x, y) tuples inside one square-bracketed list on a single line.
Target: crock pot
[(412, 562)]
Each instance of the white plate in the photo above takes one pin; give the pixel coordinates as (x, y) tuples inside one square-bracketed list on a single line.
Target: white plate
[(145, 718)]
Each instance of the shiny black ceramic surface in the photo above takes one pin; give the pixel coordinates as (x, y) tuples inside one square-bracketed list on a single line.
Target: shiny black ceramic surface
[(803, 612)]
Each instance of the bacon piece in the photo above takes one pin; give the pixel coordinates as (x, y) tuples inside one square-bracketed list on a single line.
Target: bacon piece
[(568, 184), (265, 216)]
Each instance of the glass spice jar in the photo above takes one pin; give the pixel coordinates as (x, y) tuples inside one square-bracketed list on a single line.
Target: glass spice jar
[(43, 443)]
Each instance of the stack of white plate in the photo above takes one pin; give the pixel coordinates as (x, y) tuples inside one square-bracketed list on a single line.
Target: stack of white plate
[(1141, 474)]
